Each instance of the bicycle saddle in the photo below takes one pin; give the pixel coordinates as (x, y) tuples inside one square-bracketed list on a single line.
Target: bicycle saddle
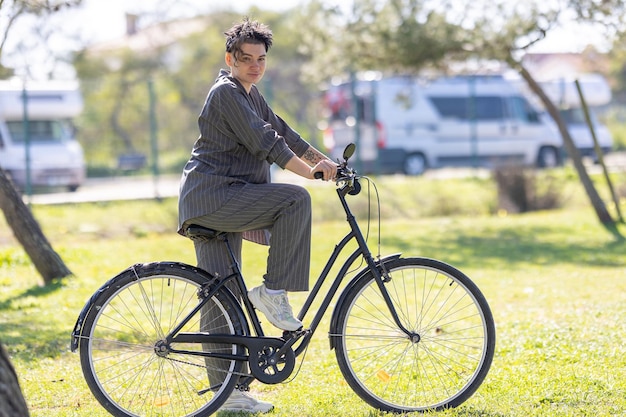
[(200, 233)]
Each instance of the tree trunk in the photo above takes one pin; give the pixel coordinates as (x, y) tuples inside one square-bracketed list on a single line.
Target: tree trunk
[(12, 403), (27, 231), (596, 201)]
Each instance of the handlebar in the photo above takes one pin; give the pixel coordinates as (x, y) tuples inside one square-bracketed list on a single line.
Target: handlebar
[(346, 175), (343, 173)]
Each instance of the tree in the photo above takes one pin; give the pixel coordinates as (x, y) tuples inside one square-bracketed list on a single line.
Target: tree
[(410, 35), (114, 85), (27, 231), (596, 201), (22, 222), (618, 68), (183, 66), (517, 34), (38, 35), (390, 36), (18, 216), (13, 403)]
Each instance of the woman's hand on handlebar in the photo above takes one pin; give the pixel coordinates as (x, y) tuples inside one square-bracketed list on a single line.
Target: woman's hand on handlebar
[(325, 170)]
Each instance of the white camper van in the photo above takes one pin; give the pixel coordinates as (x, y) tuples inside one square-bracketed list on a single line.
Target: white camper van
[(409, 124), (55, 157)]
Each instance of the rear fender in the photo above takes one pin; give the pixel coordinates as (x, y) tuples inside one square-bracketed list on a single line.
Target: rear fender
[(114, 282)]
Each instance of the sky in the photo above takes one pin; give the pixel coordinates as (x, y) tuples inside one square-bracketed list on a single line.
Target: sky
[(106, 18), (101, 20)]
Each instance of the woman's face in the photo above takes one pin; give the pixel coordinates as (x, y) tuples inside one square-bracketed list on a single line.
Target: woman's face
[(249, 66)]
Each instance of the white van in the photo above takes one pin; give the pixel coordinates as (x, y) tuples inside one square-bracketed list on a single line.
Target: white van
[(409, 124), (56, 158)]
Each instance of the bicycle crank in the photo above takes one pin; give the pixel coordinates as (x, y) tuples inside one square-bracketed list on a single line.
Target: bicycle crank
[(271, 365)]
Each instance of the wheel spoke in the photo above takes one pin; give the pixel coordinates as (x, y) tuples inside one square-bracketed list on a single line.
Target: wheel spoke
[(444, 360), (127, 362)]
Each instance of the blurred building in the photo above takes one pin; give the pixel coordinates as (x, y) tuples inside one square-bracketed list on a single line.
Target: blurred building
[(159, 38), (553, 66)]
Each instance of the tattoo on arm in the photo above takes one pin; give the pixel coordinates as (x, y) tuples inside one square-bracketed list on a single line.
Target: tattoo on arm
[(312, 157)]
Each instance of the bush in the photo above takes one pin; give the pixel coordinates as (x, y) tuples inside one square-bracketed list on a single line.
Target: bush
[(521, 190)]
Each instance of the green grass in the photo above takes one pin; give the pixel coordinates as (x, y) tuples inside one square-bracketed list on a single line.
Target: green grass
[(555, 280)]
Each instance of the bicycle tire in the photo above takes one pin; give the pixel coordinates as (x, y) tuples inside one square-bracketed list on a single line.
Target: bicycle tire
[(118, 344), (392, 372)]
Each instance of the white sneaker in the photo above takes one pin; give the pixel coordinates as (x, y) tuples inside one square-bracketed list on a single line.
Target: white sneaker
[(275, 307), (240, 401)]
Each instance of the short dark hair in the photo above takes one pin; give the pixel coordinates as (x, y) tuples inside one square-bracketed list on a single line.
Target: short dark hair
[(248, 31)]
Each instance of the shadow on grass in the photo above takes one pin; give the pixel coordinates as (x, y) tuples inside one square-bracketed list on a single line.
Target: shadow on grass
[(34, 342), (33, 334), (534, 245), (35, 291)]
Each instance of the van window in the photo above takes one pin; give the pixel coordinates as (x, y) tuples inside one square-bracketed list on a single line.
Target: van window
[(41, 131), (522, 110), (462, 108), (575, 116)]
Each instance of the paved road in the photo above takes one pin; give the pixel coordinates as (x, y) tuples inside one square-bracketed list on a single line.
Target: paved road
[(119, 188), (128, 188)]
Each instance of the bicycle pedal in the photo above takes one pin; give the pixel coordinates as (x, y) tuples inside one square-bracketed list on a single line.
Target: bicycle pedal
[(295, 334)]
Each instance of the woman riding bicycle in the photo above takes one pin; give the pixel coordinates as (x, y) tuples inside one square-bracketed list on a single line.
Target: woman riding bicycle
[(226, 184)]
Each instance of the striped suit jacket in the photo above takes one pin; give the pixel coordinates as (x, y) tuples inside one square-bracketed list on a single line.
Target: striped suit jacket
[(240, 137)]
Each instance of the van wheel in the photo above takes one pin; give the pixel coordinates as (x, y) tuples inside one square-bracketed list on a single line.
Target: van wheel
[(415, 164), (548, 157)]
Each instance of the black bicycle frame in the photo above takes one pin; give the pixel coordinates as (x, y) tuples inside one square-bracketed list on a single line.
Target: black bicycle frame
[(258, 340)]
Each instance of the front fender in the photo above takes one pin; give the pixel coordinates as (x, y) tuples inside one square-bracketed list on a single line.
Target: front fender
[(334, 322)]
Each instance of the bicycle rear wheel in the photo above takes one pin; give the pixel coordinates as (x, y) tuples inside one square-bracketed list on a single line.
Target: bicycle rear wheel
[(448, 355), (124, 360)]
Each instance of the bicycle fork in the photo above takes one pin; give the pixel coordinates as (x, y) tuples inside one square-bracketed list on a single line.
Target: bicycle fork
[(378, 269)]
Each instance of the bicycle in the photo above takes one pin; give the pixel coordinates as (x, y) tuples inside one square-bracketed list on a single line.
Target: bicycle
[(409, 334)]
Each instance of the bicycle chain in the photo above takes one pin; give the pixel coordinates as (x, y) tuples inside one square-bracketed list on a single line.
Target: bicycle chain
[(205, 367)]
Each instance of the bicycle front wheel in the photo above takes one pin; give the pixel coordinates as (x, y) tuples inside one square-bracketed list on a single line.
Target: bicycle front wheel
[(127, 365), (444, 359)]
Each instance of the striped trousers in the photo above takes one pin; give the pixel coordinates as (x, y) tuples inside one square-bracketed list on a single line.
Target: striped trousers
[(283, 209)]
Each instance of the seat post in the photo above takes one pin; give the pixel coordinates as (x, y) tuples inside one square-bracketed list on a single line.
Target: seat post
[(235, 266), (198, 233)]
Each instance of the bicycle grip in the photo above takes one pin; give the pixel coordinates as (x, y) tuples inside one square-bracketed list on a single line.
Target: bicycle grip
[(318, 175)]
